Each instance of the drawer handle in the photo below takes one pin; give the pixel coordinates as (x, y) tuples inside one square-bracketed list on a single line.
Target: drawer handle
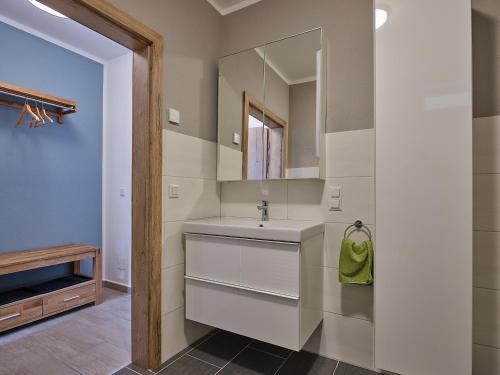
[(11, 316), (286, 296), (71, 298)]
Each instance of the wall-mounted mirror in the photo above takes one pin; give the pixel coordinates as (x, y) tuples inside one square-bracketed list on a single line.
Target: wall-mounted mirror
[(272, 111)]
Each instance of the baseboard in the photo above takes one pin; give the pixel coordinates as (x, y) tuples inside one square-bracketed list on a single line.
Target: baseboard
[(117, 286)]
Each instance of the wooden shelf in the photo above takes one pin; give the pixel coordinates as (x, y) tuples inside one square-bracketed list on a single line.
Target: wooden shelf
[(15, 96)]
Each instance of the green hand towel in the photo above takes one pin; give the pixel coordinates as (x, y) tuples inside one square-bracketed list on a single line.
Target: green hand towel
[(355, 263)]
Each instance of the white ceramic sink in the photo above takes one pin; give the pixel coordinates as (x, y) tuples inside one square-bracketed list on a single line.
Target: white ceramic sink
[(274, 230)]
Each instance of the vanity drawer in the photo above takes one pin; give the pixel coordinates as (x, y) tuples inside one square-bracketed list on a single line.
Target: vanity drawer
[(17, 314), (266, 265), (265, 317), (68, 299)]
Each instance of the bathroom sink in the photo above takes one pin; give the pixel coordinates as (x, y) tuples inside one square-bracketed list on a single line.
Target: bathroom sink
[(274, 230)]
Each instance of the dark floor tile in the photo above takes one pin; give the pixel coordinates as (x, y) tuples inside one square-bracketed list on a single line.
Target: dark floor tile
[(220, 348), (189, 366), (125, 371), (188, 349), (140, 370), (305, 363), (253, 362), (270, 348), (345, 369)]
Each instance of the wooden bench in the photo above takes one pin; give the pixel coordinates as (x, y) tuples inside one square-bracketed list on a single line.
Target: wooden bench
[(33, 302)]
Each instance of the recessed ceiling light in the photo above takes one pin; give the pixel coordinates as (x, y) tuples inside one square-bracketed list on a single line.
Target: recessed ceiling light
[(45, 8), (380, 18)]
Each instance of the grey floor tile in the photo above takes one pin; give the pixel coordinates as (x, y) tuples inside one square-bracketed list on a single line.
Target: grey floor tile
[(189, 366), (139, 370), (346, 369), (252, 362), (125, 371), (188, 349), (305, 363), (270, 348), (221, 348)]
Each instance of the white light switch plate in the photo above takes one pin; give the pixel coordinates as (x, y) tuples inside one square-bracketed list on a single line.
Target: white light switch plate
[(236, 138), (335, 204), (173, 191), (174, 116), (335, 191)]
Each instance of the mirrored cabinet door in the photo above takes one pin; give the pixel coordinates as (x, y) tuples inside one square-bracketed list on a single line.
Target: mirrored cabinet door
[(241, 83), (270, 120)]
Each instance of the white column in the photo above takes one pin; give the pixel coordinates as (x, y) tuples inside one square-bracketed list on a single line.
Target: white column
[(423, 265)]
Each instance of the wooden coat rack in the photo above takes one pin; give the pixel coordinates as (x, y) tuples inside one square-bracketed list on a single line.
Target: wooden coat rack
[(15, 97)]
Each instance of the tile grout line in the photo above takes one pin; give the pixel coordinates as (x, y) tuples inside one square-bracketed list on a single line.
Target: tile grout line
[(283, 364), (336, 366), (189, 351), (263, 351), (232, 359), (201, 360)]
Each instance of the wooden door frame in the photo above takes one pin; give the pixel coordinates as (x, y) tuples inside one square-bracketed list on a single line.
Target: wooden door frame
[(251, 101), (147, 46)]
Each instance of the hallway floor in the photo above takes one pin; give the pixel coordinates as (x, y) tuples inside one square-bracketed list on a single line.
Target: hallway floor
[(225, 353), (92, 340)]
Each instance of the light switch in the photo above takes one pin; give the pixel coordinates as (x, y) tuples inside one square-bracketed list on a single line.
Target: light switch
[(236, 138), (335, 204), (173, 191), (123, 192), (335, 191), (174, 116)]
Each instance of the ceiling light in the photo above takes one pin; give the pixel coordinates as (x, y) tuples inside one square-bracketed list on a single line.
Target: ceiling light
[(380, 17), (45, 8)]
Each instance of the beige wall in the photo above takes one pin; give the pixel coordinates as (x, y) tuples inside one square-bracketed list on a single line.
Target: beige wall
[(486, 57), (302, 126), (192, 32), (349, 39)]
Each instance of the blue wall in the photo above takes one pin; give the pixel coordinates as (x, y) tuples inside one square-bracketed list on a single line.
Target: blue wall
[(50, 178)]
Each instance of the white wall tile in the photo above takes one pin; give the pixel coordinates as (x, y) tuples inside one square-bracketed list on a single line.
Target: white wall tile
[(487, 259), (310, 200), (487, 144), (350, 153), (240, 199), (334, 233), (487, 317), (230, 164), (172, 244), (198, 198), (187, 156), (346, 299), (178, 333), (172, 288), (486, 202), (346, 339), (485, 360)]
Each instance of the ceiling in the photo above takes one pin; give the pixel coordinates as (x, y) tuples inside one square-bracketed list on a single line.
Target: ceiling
[(62, 31), (294, 59), (229, 6)]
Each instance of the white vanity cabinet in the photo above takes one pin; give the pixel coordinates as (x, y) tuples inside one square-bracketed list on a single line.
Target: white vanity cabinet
[(269, 290)]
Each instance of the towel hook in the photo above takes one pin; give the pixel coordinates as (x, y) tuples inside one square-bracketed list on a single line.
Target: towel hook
[(359, 225)]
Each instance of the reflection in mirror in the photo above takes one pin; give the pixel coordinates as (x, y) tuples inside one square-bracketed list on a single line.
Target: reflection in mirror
[(270, 117)]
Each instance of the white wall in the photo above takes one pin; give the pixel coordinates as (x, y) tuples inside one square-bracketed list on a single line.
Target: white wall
[(347, 330), (423, 290), (117, 170), (190, 163)]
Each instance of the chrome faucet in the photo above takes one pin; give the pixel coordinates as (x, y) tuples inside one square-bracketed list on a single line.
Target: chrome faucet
[(264, 208)]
